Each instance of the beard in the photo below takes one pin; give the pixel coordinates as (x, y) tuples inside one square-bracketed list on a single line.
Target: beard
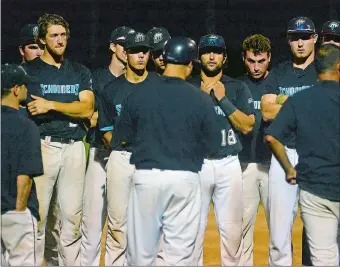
[(211, 72)]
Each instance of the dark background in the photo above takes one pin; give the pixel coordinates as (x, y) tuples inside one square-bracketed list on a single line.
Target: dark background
[(91, 22)]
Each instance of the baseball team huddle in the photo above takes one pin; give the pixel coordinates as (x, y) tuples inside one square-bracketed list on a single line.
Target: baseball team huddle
[(165, 144)]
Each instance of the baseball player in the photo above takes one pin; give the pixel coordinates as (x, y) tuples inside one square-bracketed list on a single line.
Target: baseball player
[(221, 174), (59, 104), (20, 161), (330, 33), (289, 77), (317, 171), (119, 170), (94, 207), (29, 46), (165, 194), (255, 156), (158, 38)]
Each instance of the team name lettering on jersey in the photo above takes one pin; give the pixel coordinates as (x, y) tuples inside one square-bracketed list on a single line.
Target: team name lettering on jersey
[(219, 111), (257, 104), (69, 89), (293, 90)]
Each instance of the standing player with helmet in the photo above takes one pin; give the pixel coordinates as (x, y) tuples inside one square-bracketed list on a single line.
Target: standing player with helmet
[(289, 78), (60, 102), (119, 170), (255, 156), (165, 194), (158, 38), (330, 33), (221, 174), (20, 162), (317, 172), (94, 207)]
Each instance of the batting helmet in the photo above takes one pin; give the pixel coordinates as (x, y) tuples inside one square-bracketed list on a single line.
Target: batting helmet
[(180, 50)]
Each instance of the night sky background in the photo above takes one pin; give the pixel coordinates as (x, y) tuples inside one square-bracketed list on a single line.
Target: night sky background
[(91, 23)]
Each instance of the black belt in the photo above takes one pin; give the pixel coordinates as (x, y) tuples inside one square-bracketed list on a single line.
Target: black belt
[(63, 140)]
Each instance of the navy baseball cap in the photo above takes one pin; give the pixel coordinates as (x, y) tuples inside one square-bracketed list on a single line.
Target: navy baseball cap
[(211, 40), (331, 27), (158, 38), (29, 34), (301, 25), (13, 74), (137, 39), (119, 35)]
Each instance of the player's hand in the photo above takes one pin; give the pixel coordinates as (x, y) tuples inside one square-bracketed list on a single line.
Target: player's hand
[(39, 105), (291, 176), (281, 99), (219, 90), (206, 87)]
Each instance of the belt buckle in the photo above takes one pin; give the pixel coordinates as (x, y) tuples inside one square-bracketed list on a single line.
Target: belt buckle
[(48, 139)]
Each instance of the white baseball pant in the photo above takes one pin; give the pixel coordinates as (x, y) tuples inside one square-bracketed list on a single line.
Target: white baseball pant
[(221, 182), (321, 218), (18, 238), (119, 178), (255, 189), (282, 205), (64, 166), (168, 201), (94, 207)]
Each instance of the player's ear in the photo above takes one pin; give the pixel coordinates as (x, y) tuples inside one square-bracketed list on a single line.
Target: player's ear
[(21, 50), (269, 56), (316, 38), (16, 90), (42, 40), (112, 47)]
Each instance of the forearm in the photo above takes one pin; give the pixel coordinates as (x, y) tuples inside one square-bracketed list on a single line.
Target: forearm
[(24, 184), (279, 151), (94, 119), (107, 139), (242, 122), (75, 109)]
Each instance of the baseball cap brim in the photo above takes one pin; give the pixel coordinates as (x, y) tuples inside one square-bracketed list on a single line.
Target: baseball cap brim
[(300, 31)]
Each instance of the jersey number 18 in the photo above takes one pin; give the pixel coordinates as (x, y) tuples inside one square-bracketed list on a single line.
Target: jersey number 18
[(231, 137)]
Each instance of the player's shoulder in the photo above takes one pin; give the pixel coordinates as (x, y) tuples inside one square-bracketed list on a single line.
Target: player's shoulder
[(281, 67), (243, 78), (77, 66), (33, 66), (234, 83)]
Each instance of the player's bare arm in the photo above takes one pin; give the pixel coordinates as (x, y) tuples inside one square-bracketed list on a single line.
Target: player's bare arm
[(241, 121), (280, 153), (107, 136), (94, 119), (78, 109), (24, 184), (271, 105)]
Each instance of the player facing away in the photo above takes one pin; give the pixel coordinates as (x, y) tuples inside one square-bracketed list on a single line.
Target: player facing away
[(289, 77), (20, 162), (171, 126), (95, 206), (221, 174), (255, 155), (330, 32), (59, 103), (119, 169), (316, 124)]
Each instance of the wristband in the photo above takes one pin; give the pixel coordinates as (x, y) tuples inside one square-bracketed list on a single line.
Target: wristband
[(227, 107), (278, 99)]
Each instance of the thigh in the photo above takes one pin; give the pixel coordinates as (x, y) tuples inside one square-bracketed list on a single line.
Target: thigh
[(251, 193)]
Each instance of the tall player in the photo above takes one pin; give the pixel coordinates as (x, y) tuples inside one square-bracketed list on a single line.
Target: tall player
[(221, 174), (119, 169), (289, 78), (60, 102), (94, 207), (255, 156)]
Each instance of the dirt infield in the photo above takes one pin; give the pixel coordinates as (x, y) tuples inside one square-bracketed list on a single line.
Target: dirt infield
[(212, 243)]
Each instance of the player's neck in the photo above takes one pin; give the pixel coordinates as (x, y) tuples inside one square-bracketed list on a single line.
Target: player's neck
[(10, 102), (177, 71), (134, 76), (50, 59), (211, 79), (116, 67), (303, 63)]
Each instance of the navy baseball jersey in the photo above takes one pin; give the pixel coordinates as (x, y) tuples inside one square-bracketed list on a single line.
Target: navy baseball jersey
[(169, 124), (61, 85), (20, 155), (110, 105), (255, 148), (238, 93), (101, 78), (314, 117), (288, 80)]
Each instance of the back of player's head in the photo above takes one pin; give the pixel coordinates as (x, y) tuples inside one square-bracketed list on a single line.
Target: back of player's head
[(180, 50), (47, 20), (327, 58), (256, 44)]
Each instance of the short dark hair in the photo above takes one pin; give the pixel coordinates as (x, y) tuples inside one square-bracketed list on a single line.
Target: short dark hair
[(257, 44), (51, 19), (327, 57)]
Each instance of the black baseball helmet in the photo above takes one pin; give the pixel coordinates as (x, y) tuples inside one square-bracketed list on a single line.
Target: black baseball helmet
[(180, 50)]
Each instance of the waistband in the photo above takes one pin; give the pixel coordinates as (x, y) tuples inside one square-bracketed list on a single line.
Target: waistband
[(49, 139)]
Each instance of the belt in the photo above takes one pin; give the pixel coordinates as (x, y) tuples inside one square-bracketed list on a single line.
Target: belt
[(63, 140)]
